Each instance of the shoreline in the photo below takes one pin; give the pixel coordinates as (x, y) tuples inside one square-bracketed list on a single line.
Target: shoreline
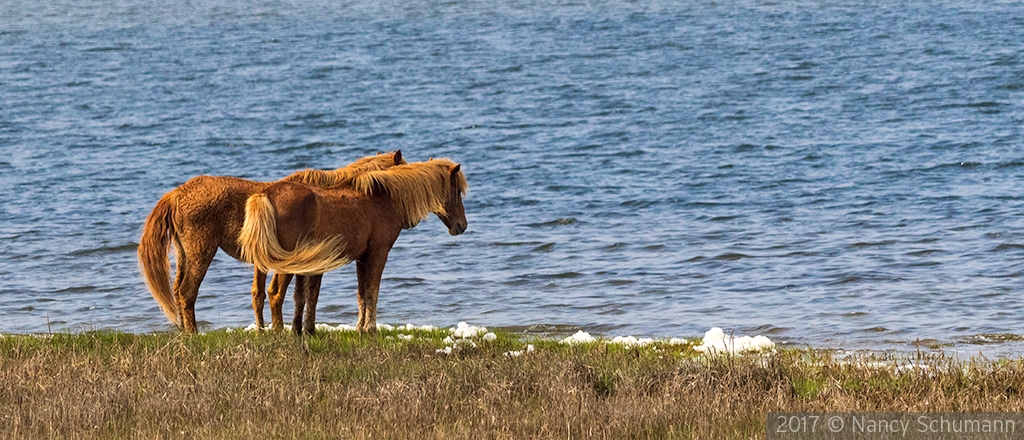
[(1004, 344)]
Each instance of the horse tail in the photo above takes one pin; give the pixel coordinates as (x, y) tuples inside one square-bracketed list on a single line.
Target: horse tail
[(153, 261), (259, 245)]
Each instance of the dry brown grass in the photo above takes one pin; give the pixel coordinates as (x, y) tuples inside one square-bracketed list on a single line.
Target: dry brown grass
[(342, 385)]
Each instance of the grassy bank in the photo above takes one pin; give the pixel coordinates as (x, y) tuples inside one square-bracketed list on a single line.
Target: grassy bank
[(345, 385)]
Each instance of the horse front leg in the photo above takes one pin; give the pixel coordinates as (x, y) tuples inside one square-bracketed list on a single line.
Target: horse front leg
[(278, 287), (312, 294), (259, 295), (369, 272)]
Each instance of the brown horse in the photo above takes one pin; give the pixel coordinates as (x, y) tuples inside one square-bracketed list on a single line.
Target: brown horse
[(303, 230), (206, 213)]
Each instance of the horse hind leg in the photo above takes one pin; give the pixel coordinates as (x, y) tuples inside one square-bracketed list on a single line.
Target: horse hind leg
[(300, 304), (192, 266), (259, 295), (312, 294)]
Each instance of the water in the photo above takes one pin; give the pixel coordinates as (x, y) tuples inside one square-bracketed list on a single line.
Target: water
[(825, 173)]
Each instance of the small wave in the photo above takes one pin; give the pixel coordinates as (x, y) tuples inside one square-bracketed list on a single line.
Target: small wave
[(546, 247), (870, 244), (323, 71), (1011, 164), (116, 48), (406, 279), (510, 69), (924, 253), (858, 278), (515, 243), (931, 343), (803, 65), (993, 338), (104, 250), (331, 123), (769, 329), (382, 137), (725, 218), (1008, 247), (311, 116), (628, 154), (634, 203), (320, 144), (1005, 60), (562, 275), (731, 256), (563, 221), (136, 126), (78, 289), (985, 105)]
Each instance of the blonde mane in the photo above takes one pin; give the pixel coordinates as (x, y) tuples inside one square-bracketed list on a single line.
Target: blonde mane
[(343, 177), (416, 189)]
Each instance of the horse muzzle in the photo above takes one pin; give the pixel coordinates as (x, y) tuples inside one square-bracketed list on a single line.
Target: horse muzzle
[(457, 229)]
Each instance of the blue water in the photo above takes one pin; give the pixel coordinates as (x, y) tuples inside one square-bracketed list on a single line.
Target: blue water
[(839, 174)]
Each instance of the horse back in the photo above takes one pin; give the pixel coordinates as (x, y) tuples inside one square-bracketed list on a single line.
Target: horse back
[(212, 208)]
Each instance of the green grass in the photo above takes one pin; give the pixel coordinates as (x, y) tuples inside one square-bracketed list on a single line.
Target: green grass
[(347, 385)]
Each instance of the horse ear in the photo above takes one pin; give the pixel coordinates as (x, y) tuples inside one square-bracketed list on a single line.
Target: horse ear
[(455, 169), (398, 157)]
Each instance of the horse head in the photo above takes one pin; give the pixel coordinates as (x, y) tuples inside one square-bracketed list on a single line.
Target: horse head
[(454, 215)]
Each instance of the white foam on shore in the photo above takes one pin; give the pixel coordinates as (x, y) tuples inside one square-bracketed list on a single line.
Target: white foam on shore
[(252, 327), (456, 345), (463, 330), (413, 327), (335, 328), (631, 341), (581, 337), (717, 342), (461, 337), (517, 353), (347, 328)]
